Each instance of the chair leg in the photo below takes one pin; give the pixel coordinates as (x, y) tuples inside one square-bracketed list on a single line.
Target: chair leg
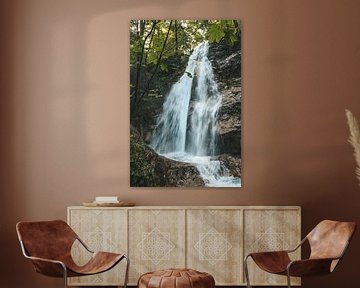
[(65, 276), (246, 270), (288, 278), (127, 271)]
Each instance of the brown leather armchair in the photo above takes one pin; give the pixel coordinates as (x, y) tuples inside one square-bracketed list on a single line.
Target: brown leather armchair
[(328, 242), (48, 245)]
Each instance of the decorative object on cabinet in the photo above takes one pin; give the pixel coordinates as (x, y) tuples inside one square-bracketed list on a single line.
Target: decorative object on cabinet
[(109, 204), (48, 245), (204, 238), (185, 103), (106, 199), (328, 242), (176, 278)]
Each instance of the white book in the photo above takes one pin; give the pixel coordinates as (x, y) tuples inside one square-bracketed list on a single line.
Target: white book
[(107, 199)]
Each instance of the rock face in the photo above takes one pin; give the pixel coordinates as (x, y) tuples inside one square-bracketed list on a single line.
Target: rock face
[(233, 164), (227, 69), (148, 169)]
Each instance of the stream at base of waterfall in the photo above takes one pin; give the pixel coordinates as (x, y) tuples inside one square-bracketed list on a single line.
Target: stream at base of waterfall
[(186, 130)]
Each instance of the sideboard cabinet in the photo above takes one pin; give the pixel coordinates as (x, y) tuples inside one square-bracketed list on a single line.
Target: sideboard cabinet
[(212, 239)]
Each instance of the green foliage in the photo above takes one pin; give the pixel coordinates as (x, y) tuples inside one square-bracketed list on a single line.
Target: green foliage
[(184, 35), (164, 67), (229, 30), (215, 33), (157, 45)]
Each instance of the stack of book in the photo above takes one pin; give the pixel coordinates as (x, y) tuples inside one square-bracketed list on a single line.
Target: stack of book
[(106, 199)]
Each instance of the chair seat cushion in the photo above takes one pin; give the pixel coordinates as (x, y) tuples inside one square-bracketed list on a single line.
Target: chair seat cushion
[(176, 278)]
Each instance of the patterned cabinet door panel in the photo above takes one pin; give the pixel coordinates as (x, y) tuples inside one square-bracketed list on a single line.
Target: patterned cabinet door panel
[(270, 230), (156, 240), (214, 244), (101, 230)]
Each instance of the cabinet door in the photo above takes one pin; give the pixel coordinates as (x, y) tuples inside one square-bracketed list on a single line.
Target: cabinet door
[(214, 244), (156, 240), (100, 230), (271, 230)]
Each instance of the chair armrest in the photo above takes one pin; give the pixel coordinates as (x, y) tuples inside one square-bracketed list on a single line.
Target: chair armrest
[(45, 260), (270, 252), (309, 267), (48, 267), (83, 244), (298, 246), (280, 251)]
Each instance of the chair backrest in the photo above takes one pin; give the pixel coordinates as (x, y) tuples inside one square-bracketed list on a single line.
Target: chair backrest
[(46, 239), (329, 239)]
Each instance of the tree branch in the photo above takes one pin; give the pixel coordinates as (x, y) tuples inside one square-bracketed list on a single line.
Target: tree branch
[(157, 64), (138, 71)]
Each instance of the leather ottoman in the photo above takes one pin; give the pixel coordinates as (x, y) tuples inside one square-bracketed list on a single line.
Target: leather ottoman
[(176, 278)]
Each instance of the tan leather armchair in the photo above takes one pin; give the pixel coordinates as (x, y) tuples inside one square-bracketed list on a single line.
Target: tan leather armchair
[(48, 245), (328, 242)]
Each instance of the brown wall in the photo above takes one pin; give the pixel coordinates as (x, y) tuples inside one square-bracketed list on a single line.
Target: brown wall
[(64, 112)]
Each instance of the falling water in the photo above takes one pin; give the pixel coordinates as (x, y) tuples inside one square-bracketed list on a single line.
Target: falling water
[(193, 142), (170, 131), (207, 101)]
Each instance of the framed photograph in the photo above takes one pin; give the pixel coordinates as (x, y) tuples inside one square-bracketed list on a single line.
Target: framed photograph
[(185, 103)]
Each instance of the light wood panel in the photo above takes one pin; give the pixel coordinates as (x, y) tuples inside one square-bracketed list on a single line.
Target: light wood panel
[(156, 240), (212, 239), (101, 230), (270, 230)]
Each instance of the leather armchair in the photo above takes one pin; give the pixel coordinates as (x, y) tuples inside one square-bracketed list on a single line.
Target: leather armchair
[(328, 243), (48, 245)]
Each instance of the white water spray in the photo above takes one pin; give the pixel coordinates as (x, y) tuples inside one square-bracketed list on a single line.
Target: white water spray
[(193, 142)]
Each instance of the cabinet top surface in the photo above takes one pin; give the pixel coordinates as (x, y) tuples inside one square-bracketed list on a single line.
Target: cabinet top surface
[(193, 207)]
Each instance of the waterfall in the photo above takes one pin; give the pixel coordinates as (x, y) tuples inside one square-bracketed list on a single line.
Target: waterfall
[(170, 131), (189, 134), (207, 101)]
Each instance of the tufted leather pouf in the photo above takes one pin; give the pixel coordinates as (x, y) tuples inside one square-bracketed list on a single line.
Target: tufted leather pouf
[(176, 278)]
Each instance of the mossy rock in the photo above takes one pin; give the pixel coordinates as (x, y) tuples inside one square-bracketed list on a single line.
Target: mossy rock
[(149, 169)]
